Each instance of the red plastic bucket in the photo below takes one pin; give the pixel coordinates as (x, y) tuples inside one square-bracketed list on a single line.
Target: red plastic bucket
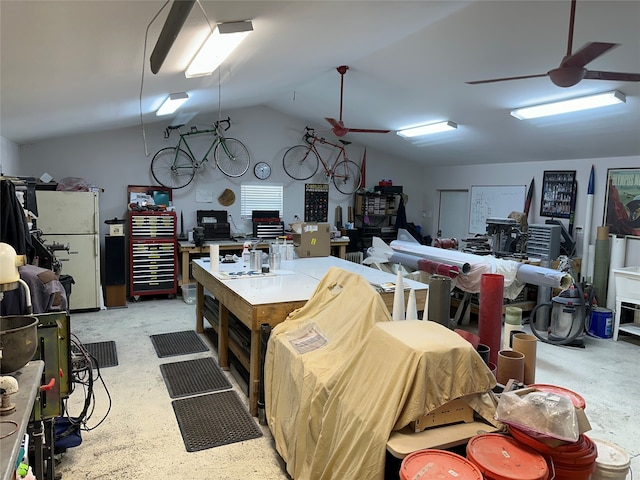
[(437, 464), (502, 458), (573, 461)]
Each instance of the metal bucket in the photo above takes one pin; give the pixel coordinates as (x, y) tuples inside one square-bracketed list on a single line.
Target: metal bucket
[(18, 340)]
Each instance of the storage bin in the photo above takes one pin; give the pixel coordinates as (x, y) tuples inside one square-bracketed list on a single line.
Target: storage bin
[(189, 293)]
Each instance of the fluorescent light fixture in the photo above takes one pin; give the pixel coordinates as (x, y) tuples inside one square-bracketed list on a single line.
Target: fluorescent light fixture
[(217, 47), (571, 105), (172, 103), (427, 129)]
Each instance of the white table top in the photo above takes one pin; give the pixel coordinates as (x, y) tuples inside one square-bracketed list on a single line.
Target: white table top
[(297, 280)]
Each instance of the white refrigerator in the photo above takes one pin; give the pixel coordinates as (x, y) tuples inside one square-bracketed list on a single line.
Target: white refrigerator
[(73, 218)]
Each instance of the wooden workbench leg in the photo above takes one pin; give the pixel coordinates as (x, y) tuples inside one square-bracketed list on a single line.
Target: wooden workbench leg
[(199, 307), (342, 251), (185, 267), (223, 338), (254, 372)]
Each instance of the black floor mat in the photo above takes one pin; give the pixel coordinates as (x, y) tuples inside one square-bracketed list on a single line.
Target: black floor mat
[(192, 377), (178, 343), (104, 354), (208, 421)]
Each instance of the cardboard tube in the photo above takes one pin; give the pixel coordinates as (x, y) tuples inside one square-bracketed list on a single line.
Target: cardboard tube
[(527, 345), (510, 365), (512, 321), (439, 299), (601, 270), (490, 314)]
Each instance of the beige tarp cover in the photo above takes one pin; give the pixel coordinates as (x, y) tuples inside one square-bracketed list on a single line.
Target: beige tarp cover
[(331, 410)]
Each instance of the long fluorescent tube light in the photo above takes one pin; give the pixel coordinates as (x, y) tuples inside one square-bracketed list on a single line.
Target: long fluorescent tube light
[(571, 105), (222, 41), (172, 103), (427, 129)]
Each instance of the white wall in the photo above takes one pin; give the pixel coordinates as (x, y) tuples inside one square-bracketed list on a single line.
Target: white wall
[(462, 178), (114, 159), (9, 156)]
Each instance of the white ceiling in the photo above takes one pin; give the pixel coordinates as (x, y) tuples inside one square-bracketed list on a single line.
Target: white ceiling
[(76, 66)]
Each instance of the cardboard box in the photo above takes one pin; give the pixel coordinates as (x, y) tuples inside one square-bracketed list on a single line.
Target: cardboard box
[(454, 411), (313, 241)]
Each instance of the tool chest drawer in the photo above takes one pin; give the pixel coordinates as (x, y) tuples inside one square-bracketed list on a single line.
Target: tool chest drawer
[(153, 255)]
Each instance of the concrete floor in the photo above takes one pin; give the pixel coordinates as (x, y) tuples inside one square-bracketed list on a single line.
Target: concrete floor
[(140, 438)]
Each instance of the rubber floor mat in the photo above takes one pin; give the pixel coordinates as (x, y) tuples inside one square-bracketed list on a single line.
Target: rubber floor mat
[(104, 354), (193, 377), (209, 421), (178, 343)]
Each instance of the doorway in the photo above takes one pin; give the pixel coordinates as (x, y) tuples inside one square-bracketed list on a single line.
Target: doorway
[(453, 216)]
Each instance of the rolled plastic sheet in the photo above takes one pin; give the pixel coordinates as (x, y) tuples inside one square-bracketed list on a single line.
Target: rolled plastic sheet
[(405, 259), (601, 266), (541, 276), (398, 298), (214, 258), (412, 308), (453, 257), (439, 299), (527, 345), (438, 268), (618, 253), (490, 313)]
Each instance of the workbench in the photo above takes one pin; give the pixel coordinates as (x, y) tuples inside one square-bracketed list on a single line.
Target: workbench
[(29, 379), (258, 299), (189, 249)]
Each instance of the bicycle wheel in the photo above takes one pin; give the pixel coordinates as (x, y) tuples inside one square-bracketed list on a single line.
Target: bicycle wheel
[(346, 177), (300, 162), (232, 157), (172, 168)]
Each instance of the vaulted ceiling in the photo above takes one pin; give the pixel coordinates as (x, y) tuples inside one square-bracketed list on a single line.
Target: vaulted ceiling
[(69, 67)]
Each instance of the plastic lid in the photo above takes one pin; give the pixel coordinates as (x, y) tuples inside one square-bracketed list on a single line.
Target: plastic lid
[(611, 455), (576, 399), (438, 464), (502, 458)]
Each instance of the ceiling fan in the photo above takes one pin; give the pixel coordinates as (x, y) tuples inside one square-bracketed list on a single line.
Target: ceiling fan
[(571, 70), (339, 130)]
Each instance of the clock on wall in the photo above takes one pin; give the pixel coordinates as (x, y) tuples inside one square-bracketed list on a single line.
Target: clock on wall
[(262, 170)]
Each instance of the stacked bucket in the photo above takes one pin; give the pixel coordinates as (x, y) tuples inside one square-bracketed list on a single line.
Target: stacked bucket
[(523, 456)]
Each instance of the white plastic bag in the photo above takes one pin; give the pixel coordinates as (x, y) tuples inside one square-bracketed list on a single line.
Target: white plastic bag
[(544, 413)]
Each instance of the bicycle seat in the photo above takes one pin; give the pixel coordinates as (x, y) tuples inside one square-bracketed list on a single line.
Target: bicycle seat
[(174, 127), (344, 142)]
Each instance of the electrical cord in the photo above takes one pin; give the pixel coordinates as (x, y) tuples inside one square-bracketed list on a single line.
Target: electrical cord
[(82, 373)]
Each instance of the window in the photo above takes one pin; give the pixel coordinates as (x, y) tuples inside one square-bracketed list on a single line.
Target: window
[(260, 197)]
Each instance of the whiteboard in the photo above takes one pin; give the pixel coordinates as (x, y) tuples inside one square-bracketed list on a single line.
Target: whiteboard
[(493, 201)]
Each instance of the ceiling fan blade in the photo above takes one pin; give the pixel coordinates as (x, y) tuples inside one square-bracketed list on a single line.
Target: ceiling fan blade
[(175, 19), (367, 130), (623, 77), (334, 123), (493, 80), (587, 53)]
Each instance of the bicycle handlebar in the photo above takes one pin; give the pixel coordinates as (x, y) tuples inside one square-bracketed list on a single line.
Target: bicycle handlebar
[(227, 121)]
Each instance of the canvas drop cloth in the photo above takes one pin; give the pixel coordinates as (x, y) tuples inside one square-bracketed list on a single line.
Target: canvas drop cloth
[(331, 410)]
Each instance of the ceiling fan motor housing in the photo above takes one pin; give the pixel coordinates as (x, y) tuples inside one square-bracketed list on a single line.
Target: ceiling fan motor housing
[(567, 76)]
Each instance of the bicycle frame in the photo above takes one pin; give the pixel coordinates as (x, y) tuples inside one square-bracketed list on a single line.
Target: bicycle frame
[(329, 170), (205, 157)]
